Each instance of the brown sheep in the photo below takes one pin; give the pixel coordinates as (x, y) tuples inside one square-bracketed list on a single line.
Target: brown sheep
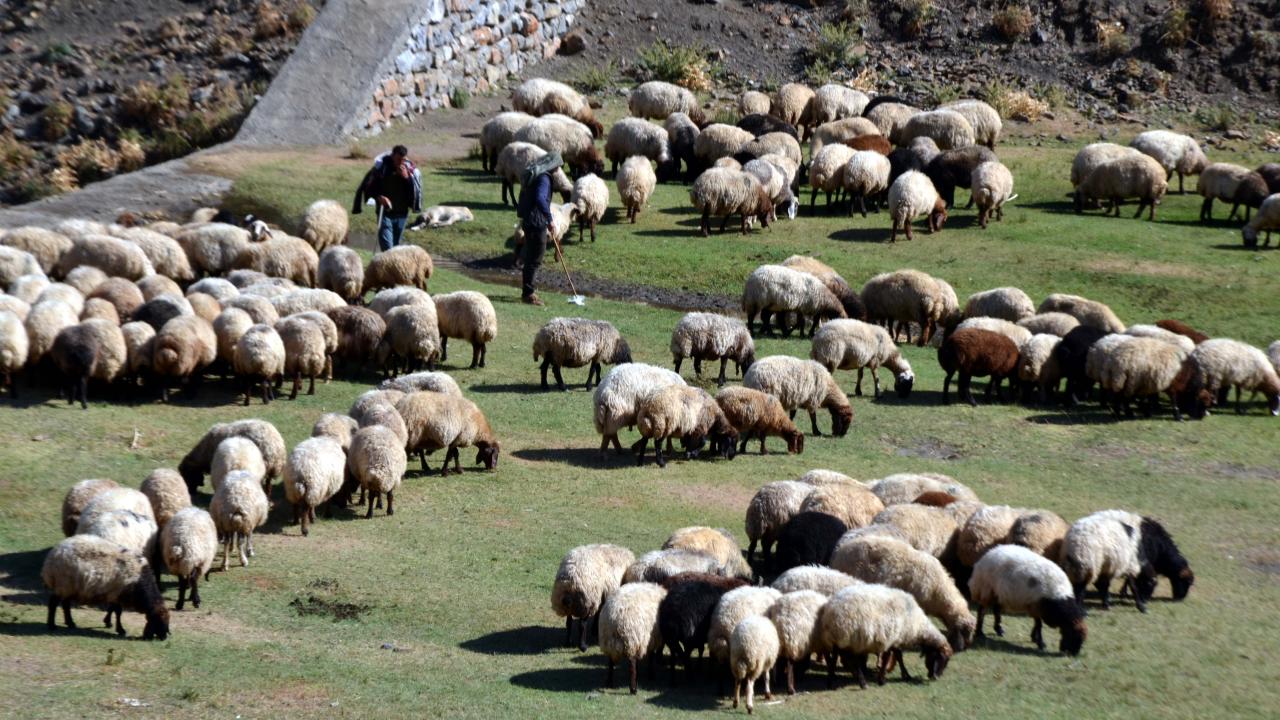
[(759, 414), (973, 352)]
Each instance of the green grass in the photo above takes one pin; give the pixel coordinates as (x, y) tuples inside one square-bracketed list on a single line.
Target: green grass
[(456, 584)]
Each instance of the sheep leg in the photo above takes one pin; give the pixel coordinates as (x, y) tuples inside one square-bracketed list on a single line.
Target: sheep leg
[(182, 592), (66, 613), (638, 447), (1180, 190), (119, 625), (859, 663), (875, 380), (784, 326), (831, 670), (546, 364), (762, 450), (657, 452), (751, 690), (106, 621), (721, 380), (306, 521), (444, 348), (560, 380), (737, 690), (883, 664), (1206, 209), (1234, 209), (978, 634), (813, 202), (593, 375), (857, 389), (248, 390), (1142, 205), (897, 652), (297, 382), (697, 366), (862, 204), (1239, 404), (1103, 586), (790, 669), (906, 225), (195, 588), (53, 612), (369, 512), (83, 387), (995, 610), (678, 362), (706, 223), (243, 543), (311, 388), (1037, 635), (475, 356), (966, 393), (946, 386), (813, 420), (893, 235)]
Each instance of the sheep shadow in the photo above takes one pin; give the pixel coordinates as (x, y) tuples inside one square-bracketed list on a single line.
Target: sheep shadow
[(1245, 248), (1073, 417), (1056, 207), (467, 174), (532, 387), (879, 236), (84, 628), (21, 583), (527, 640), (998, 644), (577, 457)]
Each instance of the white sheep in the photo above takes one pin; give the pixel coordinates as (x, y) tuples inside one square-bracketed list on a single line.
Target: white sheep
[(631, 136), (776, 185), (802, 384), (540, 96), (1088, 312), (881, 621), (123, 516), (753, 652), (771, 289), (577, 342), (948, 128), (86, 569), (497, 133), (586, 577), (991, 185), (561, 134), (313, 474), (840, 131), (734, 607), (259, 356), (377, 460), (636, 181), (1120, 544), (617, 397), (189, 543), (754, 102), (466, 315), (853, 344), (511, 163), (1015, 333), (341, 271), (590, 196), (790, 102), (1267, 219), (906, 487), (818, 578), (1005, 303), (795, 616), (711, 336), (412, 337), (239, 506), (769, 510), (866, 175), (1176, 153), (236, 454), (833, 102), (1052, 323), (436, 421), (656, 100), (47, 246), (826, 171), (1134, 175), (719, 141), (629, 626), (983, 118), (14, 347), (167, 493), (1038, 362), (1010, 578), (1221, 363), (911, 196), (723, 192), (890, 118)]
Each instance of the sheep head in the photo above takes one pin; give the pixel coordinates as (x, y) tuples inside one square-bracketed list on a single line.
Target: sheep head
[(938, 216), (487, 453), (936, 657)]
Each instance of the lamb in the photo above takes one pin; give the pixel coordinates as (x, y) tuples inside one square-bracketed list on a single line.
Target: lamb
[(435, 421), (636, 181), (874, 619), (717, 141), (992, 186), (324, 225), (239, 506), (1089, 312), (630, 137), (539, 96), (90, 570), (1010, 578), (754, 650), (853, 344), (790, 103), (1174, 151), (773, 505), (199, 460), (911, 196), (497, 133), (954, 168), (236, 454), (182, 349), (891, 119), (1115, 543), (91, 350), (14, 348), (795, 617), (377, 460), (688, 413), (948, 128), (617, 397), (1267, 219), (757, 414), (510, 166), (167, 493), (401, 265), (840, 131), (984, 119), (113, 256), (655, 100), (1144, 367), (628, 623), (898, 565), (906, 487), (566, 136), (412, 336), (809, 538), (866, 175), (312, 475), (826, 172), (974, 352), (710, 336), (715, 542), (577, 342), (590, 197), (588, 575), (78, 498), (684, 615), (341, 271), (1134, 175), (802, 384), (1221, 363), (189, 543), (851, 502), (45, 245), (1052, 323), (818, 578), (777, 289), (734, 607)]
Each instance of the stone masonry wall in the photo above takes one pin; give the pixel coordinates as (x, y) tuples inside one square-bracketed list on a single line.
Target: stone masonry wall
[(471, 44)]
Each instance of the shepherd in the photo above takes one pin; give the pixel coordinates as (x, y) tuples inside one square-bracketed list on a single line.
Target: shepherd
[(395, 185), (534, 209)]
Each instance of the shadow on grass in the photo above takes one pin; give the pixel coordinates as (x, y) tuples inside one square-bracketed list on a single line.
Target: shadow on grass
[(521, 388), (1056, 207), (21, 584), (467, 173), (1069, 417), (527, 640), (996, 643), (862, 234), (90, 629), (696, 696), (577, 457)]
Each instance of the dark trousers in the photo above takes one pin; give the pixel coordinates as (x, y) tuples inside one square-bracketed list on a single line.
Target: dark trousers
[(390, 230), (535, 246)]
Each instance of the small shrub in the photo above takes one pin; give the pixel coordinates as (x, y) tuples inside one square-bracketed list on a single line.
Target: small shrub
[(14, 158), (1177, 26), (355, 151), (865, 80), (1013, 22), (1020, 105), (855, 10), (90, 160), (943, 94), (58, 52), (1215, 11), (132, 155), (55, 121), (819, 73), (1112, 40), (696, 78), (460, 98), (269, 21), (1053, 94), (837, 45), (60, 180), (597, 78), (672, 63), (155, 107), (300, 17), (914, 16), (1221, 117)]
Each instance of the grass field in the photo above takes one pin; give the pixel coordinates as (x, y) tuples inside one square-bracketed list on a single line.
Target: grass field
[(442, 610)]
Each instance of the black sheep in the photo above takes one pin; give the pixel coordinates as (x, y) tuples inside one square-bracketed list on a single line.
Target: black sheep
[(684, 615), (807, 539), (954, 168), (157, 311), (1159, 555), (761, 124), (1071, 355)]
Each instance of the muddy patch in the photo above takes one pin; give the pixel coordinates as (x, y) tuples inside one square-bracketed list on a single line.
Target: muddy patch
[(1265, 560), (319, 603), (930, 449)]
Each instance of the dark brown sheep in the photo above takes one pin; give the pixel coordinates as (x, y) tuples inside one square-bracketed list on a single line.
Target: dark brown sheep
[(874, 143), (954, 168), (359, 332), (760, 124), (1270, 173), (972, 352), (1181, 328)]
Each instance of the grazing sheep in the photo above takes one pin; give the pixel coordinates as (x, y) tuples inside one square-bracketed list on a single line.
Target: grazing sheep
[(236, 454), (656, 100), (324, 225), (777, 289), (189, 543), (817, 578), (974, 352), (67, 293), (204, 307), (1267, 219), (760, 124), (154, 286), (1038, 363), (628, 624), (99, 309), (635, 136), (826, 172), (113, 256), (258, 308), (954, 168), (540, 96), (618, 396), (1041, 532), (90, 570), (1176, 153), (1089, 312), (588, 575), (123, 516), (776, 185), (710, 336), (123, 295), (438, 421), (866, 175), (907, 296), (1010, 578), (412, 338), (510, 166), (833, 102), (377, 460), (590, 197), (1016, 333), (83, 278), (167, 257), (717, 141), (853, 344), (78, 498), (466, 315), (1115, 543), (948, 128), (808, 538), (312, 475), (682, 138), (1230, 183), (851, 502), (844, 130), (359, 332), (758, 414), (161, 309), (1005, 303), (91, 350), (688, 413), (561, 134), (891, 119), (282, 256), (182, 348), (824, 477), (304, 351), (930, 530), (27, 288), (292, 302), (45, 245), (988, 527), (1072, 355), (577, 342), (790, 102), (636, 181), (14, 348), (992, 186), (199, 461), (497, 133), (1221, 363), (802, 384), (1135, 175), (387, 300), (734, 607), (1090, 158), (896, 564), (212, 248), (849, 299), (44, 323), (723, 192), (753, 651), (881, 621), (1142, 367), (259, 356), (776, 143), (684, 615), (715, 542), (239, 506), (906, 487), (773, 505), (421, 381), (795, 617), (984, 119), (341, 271), (1052, 323), (167, 493), (911, 196), (660, 565), (401, 265)]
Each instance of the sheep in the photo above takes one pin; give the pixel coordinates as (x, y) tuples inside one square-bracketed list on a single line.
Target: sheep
[(27, 288), (401, 265), (204, 307), (341, 271), (734, 607), (906, 296), (715, 542), (566, 136), (992, 186), (359, 332), (45, 245), (412, 337), (304, 352), (14, 349), (166, 255), (510, 166), (891, 119), (590, 197), (1267, 219), (416, 382), (710, 336), (258, 308), (758, 414), (1218, 364), (873, 619), (770, 508), (818, 578), (239, 506), (218, 288), (631, 137), (435, 421), (754, 650), (954, 168), (775, 143), (802, 384), (975, 352), (469, 316), (1089, 312), (795, 617), (948, 128), (196, 463), (636, 181), (154, 286), (833, 102), (872, 143), (911, 196), (1016, 333), (377, 460), (844, 130), (292, 302), (78, 498), (818, 478), (1041, 532), (588, 575), (161, 309), (983, 118), (66, 293), (866, 175), (682, 138), (1093, 156), (44, 323), (628, 624), (576, 342), (906, 487), (717, 141), (497, 133), (113, 256), (100, 309), (387, 300), (15, 263), (851, 502), (189, 542), (688, 413), (1072, 357), (898, 565), (1010, 578), (754, 101), (777, 289), (182, 349), (313, 474), (1115, 543), (91, 350), (660, 565), (167, 493), (539, 96), (776, 185), (1052, 323), (808, 538), (684, 615), (826, 172), (1174, 151), (123, 516), (618, 395), (264, 354), (123, 295), (655, 100), (1005, 303), (985, 529), (853, 344), (1144, 367), (1038, 363), (282, 256), (233, 454), (91, 570), (790, 102), (760, 124), (1134, 175), (15, 306), (324, 225)]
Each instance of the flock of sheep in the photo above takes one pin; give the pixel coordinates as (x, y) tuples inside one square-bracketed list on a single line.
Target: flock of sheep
[(859, 570)]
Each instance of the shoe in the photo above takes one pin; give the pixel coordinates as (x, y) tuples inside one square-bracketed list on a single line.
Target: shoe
[(532, 300)]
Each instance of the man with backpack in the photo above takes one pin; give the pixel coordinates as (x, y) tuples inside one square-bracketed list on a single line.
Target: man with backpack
[(395, 185), (534, 209)]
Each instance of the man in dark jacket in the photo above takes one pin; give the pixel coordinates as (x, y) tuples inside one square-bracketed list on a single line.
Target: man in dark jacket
[(396, 186), (534, 209)]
